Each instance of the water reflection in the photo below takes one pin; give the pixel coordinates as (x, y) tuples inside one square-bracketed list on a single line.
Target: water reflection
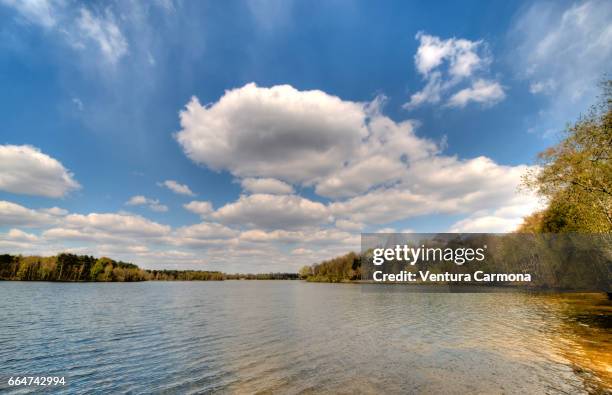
[(293, 337)]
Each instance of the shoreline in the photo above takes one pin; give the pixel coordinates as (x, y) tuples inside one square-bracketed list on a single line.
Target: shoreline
[(423, 287)]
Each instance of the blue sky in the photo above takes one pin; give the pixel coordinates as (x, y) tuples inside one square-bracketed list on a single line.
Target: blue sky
[(312, 122)]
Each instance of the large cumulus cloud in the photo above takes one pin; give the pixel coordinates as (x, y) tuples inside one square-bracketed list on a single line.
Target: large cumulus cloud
[(276, 132)]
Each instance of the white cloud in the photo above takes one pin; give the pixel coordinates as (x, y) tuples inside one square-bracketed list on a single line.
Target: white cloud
[(137, 200), (445, 64), (204, 231), (20, 235), (67, 235), (341, 147), (383, 159), (266, 185), (391, 174), (177, 188), (153, 204), (13, 214), (461, 54), (273, 212), (202, 208), (440, 185), (432, 93), (56, 211), (315, 238), (26, 170), (486, 224), (350, 226), (262, 236), (361, 176), (501, 220), (484, 92), (562, 50), (118, 229), (113, 223), (276, 132)]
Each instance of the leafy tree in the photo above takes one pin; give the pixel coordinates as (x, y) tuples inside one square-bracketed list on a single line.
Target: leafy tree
[(576, 175), (96, 270), (305, 272)]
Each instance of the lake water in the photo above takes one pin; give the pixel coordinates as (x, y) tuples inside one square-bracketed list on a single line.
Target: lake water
[(293, 337)]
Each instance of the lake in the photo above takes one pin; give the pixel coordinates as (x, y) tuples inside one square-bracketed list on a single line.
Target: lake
[(293, 337)]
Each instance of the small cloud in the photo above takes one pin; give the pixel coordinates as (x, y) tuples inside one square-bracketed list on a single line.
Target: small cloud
[(447, 64), (266, 185), (461, 54), (153, 204), (137, 200), (20, 235), (177, 188), (202, 208), (78, 103), (542, 87), (484, 92)]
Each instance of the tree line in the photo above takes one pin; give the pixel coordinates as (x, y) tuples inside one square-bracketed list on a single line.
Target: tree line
[(83, 268), (68, 267)]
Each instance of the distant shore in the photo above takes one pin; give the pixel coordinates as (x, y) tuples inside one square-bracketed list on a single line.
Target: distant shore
[(84, 268)]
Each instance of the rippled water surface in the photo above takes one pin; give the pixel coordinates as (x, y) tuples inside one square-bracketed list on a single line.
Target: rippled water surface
[(293, 337)]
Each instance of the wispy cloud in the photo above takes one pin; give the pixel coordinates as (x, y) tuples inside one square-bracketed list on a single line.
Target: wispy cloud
[(180, 189), (41, 12), (81, 27), (104, 32), (562, 50)]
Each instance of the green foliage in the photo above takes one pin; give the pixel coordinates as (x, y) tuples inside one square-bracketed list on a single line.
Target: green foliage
[(340, 269), (305, 272), (96, 270), (576, 176), (68, 267), (263, 276), (185, 275)]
